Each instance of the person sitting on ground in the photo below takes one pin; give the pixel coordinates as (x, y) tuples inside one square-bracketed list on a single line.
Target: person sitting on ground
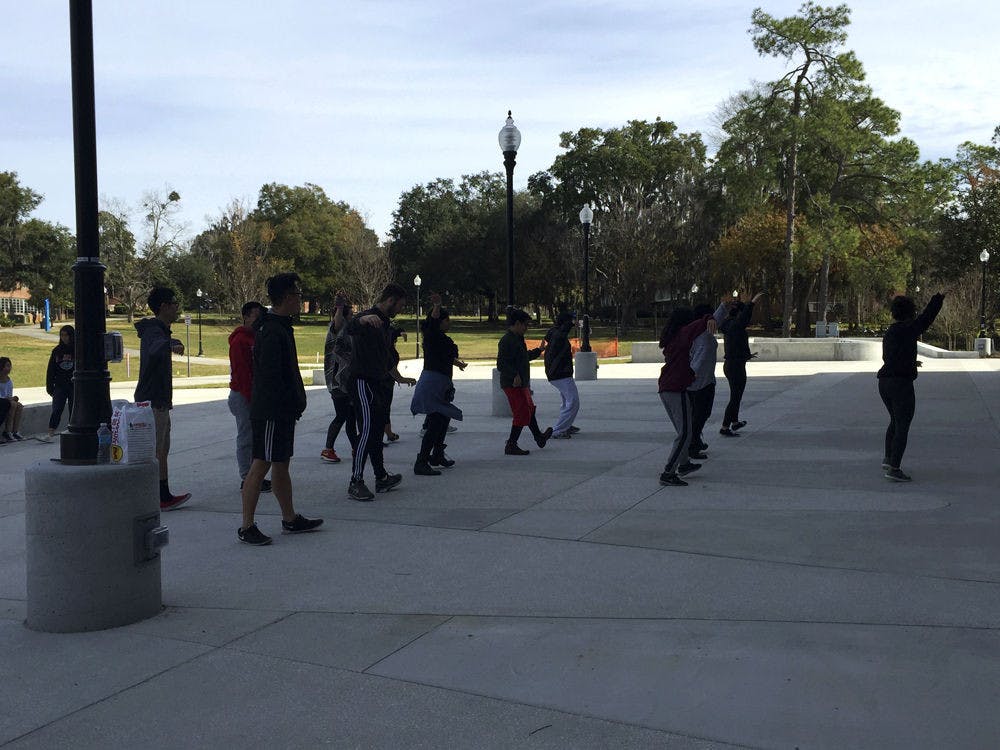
[(513, 360), (435, 391), (896, 376), (59, 376), (10, 404), (675, 376), (276, 404), (559, 371)]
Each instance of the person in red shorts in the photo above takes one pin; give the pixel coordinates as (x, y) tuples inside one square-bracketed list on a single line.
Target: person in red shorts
[(513, 359)]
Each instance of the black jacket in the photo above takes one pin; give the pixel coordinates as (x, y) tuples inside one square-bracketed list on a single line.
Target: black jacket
[(899, 344), (278, 393), (60, 370), (156, 378), (513, 358), (440, 352), (558, 354), (734, 332), (372, 358)]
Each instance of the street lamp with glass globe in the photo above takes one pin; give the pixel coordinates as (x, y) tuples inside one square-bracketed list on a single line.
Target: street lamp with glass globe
[(984, 256), (586, 218), (199, 293), (416, 282), (510, 141)]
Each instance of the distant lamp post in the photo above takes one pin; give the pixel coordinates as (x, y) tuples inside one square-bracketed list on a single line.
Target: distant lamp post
[(736, 294), (694, 290), (417, 282), (199, 294), (48, 310), (984, 256), (510, 141), (586, 218)]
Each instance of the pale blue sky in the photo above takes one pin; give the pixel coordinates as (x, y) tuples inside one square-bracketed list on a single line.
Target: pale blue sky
[(366, 99)]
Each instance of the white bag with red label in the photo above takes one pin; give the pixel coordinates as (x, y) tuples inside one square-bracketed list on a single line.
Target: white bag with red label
[(133, 434)]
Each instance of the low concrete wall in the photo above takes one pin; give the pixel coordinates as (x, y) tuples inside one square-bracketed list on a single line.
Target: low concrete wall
[(789, 350)]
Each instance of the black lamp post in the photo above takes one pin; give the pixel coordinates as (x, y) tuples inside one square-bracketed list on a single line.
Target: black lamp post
[(199, 293), (510, 140), (984, 256), (416, 316), (91, 379), (586, 217)]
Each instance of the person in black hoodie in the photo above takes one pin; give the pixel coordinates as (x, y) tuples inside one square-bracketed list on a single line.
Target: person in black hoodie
[(59, 376), (559, 371), (277, 401), (513, 358), (371, 388), (435, 391), (156, 379), (737, 347), (896, 376)]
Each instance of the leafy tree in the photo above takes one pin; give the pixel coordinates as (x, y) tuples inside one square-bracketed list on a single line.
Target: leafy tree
[(16, 256), (810, 39), (126, 277)]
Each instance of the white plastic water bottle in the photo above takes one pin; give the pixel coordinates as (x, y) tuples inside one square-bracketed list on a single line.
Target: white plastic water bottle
[(104, 444)]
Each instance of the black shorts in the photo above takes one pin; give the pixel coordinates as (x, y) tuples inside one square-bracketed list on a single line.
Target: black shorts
[(273, 441)]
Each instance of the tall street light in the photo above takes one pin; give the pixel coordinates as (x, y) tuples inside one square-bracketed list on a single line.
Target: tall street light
[(984, 256), (91, 379), (586, 217), (417, 282), (510, 141), (694, 291), (199, 294)]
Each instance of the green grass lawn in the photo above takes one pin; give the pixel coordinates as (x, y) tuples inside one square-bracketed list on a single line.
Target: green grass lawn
[(30, 357), (476, 342)]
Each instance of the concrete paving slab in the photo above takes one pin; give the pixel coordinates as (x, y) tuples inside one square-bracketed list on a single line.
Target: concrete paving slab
[(232, 699), (788, 531), (47, 676), (837, 686), (348, 641)]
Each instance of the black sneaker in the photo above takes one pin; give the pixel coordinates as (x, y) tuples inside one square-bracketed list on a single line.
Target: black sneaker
[(573, 429), (728, 432), (265, 485), (896, 475), (542, 439), (253, 535), (299, 524), (697, 454), (672, 480), (687, 468), (387, 482), (359, 491), (738, 425), (424, 469)]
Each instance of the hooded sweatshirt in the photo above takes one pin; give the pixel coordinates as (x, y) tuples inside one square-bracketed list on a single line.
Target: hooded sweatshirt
[(676, 373), (559, 353), (278, 392), (156, 378), (241, 343), (60, 370)]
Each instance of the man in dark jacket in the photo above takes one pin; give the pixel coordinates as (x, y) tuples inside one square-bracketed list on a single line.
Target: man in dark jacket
[(559, 371), (372, 365), (278, 399), (513, 360), (156, 379), (896, 376)]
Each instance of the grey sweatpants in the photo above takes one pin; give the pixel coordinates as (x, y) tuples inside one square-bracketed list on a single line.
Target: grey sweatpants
[(240, 408), (678, 407)]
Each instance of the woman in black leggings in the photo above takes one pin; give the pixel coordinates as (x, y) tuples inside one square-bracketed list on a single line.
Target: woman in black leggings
[(895, 378), (734, 331)]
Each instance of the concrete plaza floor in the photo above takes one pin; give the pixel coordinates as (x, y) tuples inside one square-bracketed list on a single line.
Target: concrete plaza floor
[(790, 597)]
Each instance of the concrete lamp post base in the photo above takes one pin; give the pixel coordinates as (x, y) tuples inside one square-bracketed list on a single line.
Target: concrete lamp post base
[(985, 347), (585, 365), (93, 539), (501, 407)]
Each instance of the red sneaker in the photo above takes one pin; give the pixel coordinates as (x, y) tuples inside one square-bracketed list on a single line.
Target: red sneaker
[(329, 455), (175, 501)]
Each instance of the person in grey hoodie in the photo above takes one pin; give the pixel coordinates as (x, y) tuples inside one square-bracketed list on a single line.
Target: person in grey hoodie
[(156, 379), (704, 355)]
